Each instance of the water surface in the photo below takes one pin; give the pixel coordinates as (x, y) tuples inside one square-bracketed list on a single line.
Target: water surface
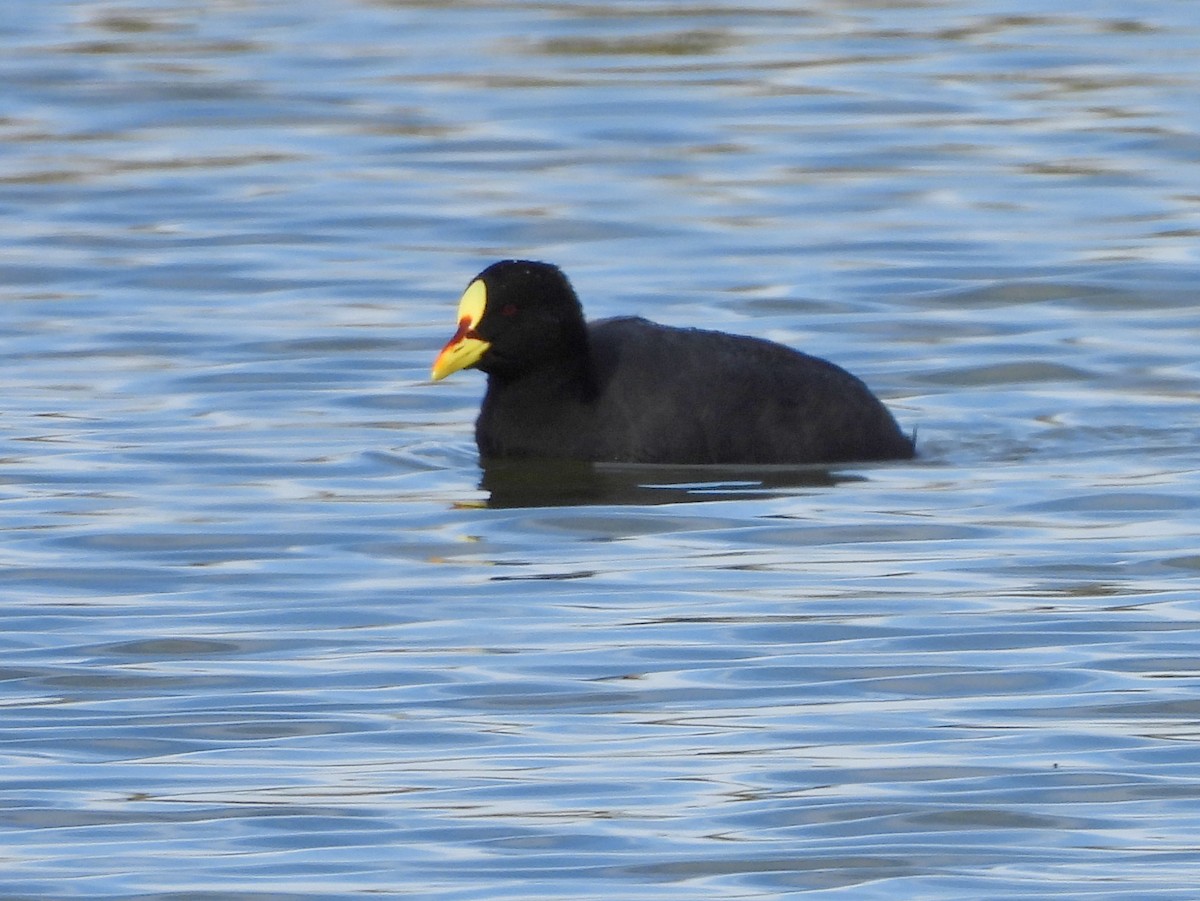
[(271, 632)]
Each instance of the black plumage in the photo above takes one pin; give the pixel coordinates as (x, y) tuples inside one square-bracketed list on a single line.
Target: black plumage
[(630, 390)]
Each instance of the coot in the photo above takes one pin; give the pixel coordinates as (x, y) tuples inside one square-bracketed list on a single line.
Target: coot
[(630, 390)]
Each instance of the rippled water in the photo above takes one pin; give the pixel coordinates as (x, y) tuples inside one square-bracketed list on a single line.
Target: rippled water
[(269, 631)]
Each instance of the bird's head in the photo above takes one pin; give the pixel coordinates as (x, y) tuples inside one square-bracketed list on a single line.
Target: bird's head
[(513, 316)]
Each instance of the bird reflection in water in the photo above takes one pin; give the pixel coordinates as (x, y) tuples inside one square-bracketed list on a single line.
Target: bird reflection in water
[(558, 483)]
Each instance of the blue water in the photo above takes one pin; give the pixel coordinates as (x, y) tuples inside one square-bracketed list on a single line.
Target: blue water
[(269, 631)]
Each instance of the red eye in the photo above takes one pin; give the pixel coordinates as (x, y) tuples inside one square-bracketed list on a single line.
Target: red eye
[(509, 309)]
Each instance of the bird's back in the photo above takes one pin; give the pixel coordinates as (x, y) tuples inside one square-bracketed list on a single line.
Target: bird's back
[(676, 395)]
